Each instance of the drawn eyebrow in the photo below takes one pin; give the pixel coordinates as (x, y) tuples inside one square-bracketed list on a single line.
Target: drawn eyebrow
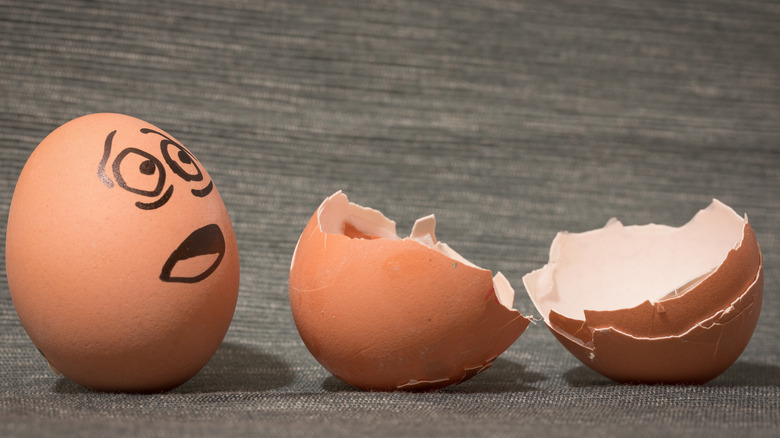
[(152, 131), (103, 161)]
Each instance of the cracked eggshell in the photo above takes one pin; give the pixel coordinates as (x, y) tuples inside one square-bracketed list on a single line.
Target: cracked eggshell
[(121, 258), (654, 304), (384, 313)]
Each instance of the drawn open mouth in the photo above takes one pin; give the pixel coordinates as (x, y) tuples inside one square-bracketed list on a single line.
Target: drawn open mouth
[(196, 257)]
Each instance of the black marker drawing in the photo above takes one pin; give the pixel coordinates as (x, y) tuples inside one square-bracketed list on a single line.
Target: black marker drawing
[(203, 241), (178, 159), (207, 240), (181, 162), (103, 161)]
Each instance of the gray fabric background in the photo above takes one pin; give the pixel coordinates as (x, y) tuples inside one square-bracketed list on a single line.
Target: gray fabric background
[(510, 120)]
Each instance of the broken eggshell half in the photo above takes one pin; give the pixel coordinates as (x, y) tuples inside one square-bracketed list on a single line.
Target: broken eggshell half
[(653, 303), (384, 313)]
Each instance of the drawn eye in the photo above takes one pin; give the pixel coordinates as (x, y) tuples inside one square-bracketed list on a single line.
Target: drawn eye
[(139, 172), (181, 161)]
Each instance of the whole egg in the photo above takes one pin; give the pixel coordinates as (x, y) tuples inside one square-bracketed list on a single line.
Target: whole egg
[(121, 258)]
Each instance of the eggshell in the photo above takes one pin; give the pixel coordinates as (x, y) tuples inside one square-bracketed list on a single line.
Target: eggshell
[(684, 332), (121, 258), (384, 313)]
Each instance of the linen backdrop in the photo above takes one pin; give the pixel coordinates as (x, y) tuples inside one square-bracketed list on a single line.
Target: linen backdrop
[(509, 120)]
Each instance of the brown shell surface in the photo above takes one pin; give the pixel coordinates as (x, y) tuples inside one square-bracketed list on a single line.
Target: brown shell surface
[(385, 314), (690, 338), (85, 263)]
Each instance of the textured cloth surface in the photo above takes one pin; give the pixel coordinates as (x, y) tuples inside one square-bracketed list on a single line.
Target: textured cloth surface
[(509, 120)]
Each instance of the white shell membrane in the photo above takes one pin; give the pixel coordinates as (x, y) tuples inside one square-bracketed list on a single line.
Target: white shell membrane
[(336, 212), (619, 267)]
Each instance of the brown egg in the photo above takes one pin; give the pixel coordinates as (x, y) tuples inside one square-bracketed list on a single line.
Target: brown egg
[(654, 304), (121, 258), (384, 313)]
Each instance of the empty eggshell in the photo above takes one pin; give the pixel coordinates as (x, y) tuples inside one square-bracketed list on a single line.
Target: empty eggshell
[(121, 258), (652, 303), (385, 313)]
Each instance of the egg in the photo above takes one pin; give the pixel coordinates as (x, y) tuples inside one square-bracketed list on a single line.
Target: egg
[(383, 313), (653, 303), (121, 258)]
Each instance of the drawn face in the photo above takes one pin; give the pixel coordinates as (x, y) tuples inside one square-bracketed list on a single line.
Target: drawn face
[(142, 173)]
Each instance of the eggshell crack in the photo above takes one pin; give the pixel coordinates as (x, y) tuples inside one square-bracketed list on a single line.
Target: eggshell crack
[(386, 313), (654, 303)]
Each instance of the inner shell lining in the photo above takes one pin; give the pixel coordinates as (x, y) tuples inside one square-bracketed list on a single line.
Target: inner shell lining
[(618, 267)]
